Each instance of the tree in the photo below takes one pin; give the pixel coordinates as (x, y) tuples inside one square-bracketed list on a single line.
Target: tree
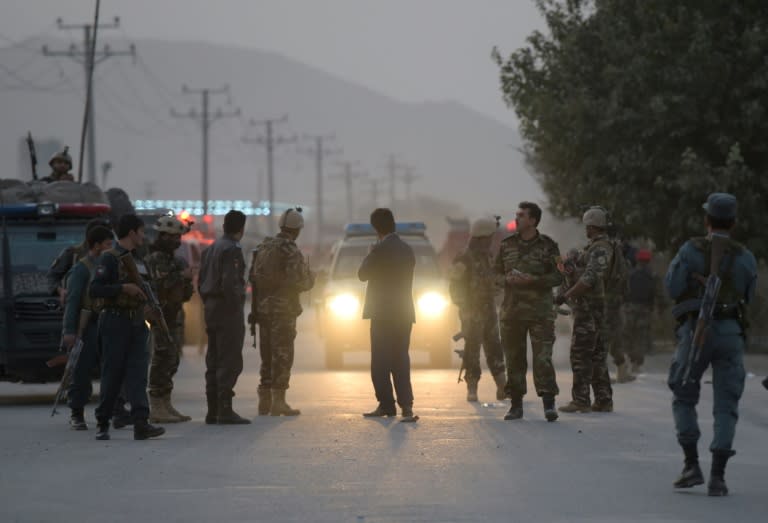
[(645, 107)]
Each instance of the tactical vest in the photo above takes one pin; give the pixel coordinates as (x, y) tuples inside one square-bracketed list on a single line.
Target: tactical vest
[(86, 302), (728, 294), (122, 300), (267, 268)]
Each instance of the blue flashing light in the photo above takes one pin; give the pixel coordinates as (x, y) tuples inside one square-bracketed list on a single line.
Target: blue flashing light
[(19, 210), (404, 228)]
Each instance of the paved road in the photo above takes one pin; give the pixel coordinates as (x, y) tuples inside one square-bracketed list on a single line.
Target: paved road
[(460, 463)]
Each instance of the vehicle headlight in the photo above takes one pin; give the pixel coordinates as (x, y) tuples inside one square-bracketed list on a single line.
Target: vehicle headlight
[(345, 306), (432, 304)]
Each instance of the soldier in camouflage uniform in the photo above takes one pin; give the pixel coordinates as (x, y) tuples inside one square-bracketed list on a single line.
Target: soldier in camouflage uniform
[(279, 273), (615, 289), (61, 164), (527, 268), (473, 290), (584, 290), (172, 281)]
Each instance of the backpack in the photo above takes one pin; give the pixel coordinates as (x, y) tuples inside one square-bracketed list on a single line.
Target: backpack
[(267, 266), (618, 275)]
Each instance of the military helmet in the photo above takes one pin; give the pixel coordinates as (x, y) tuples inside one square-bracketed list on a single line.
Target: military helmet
[(171, 225), (483, 227), (291, 219), (595, 217), (61, 155)]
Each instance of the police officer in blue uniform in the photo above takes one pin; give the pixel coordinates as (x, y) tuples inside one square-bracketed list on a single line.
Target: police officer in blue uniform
[(723, 348), (123, 333)]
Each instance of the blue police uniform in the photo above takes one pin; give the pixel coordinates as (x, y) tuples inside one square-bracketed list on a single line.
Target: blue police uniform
[(724, 345)]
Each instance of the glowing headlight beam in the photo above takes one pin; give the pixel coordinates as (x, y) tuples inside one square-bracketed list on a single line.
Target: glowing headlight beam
[(432, 304), (344, 305)]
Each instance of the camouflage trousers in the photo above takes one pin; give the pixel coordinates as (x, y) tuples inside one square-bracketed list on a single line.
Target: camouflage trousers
[(614, 331), (589, 356), (164, 365), (481, 330), (514, 337), (637, 331), (276, 337)]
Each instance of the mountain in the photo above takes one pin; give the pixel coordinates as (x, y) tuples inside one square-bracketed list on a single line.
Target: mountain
[(459, 155)]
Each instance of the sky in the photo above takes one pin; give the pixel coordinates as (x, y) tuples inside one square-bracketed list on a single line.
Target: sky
[(411, 50)]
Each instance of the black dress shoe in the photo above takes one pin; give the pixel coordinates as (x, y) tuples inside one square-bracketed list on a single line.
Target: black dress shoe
[(380, 412)]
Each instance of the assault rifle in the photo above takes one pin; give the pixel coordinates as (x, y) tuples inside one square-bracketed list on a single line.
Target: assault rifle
[(71, 360), (32, 154), (253, 316), (157, 318), (460, 352), (719, 244)]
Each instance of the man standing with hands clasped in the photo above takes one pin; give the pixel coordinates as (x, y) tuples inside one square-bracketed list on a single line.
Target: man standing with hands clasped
[(388, 269)]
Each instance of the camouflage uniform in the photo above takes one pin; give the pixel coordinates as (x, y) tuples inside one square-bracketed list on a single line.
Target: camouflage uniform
[(528, 310), (473, 289), (614, 315), (173, 288), (588, 351), (279, 274)]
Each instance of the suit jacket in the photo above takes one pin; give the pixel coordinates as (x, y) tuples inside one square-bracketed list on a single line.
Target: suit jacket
[(388, 269)]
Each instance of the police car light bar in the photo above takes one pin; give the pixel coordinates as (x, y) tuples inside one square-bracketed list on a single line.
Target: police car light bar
[(49, 209), (83, 209), (215, 207), (404, 228)]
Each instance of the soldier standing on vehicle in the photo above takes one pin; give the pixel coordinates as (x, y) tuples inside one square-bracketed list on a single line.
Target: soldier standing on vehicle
[(123, 333), (584, 290), (642, 297), (172, 280), (473, 289), (222, 288), (61, 164), (526, 266), (723, 347), (80, 321), (279, 274)]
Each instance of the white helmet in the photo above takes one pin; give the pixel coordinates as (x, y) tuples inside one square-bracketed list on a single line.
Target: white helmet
[(483, 227), (595, 217), (171, 225), (292, 219)]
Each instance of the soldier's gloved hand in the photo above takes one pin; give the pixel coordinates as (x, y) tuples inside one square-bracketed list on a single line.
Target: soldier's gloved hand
[(131, 289), (560, 299)]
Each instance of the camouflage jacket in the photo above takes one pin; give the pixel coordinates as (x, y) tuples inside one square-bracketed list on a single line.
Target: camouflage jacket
[(173, 288), (592, 266), (538, 258), (472, 282), (278, 275)]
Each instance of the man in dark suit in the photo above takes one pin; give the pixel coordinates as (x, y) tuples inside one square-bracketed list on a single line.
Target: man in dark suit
[(388, 269)]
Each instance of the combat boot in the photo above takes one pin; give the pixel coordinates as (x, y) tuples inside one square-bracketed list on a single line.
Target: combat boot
[(501, 386), (515, 410), (159, 411), (227, 416), (622, 373), (102, 433), (213, 409), (143, 430), (602, 406), (717, 486), (471, 391), (691, 474), (77, 420), (172, 410), (576, 407), (549, 408), (381, 412), (265, 401), (279, 406), (121, 417)]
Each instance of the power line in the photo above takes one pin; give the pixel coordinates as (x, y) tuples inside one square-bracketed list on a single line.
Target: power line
[(89, 62), (319, 152), (270, 141), (205, 118)]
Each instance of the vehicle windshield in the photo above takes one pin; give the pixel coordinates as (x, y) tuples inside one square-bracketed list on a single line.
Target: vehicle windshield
[(33, 248), (351, 256)]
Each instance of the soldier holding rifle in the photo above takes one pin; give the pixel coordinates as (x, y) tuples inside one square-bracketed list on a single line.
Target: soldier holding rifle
[(712, 279)]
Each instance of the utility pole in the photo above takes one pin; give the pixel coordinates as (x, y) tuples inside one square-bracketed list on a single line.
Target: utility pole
[(83, 57), (349, 177), (408, 179), (206, 118), (320, 151), (269, 141), (374, 192), (393, 165)]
